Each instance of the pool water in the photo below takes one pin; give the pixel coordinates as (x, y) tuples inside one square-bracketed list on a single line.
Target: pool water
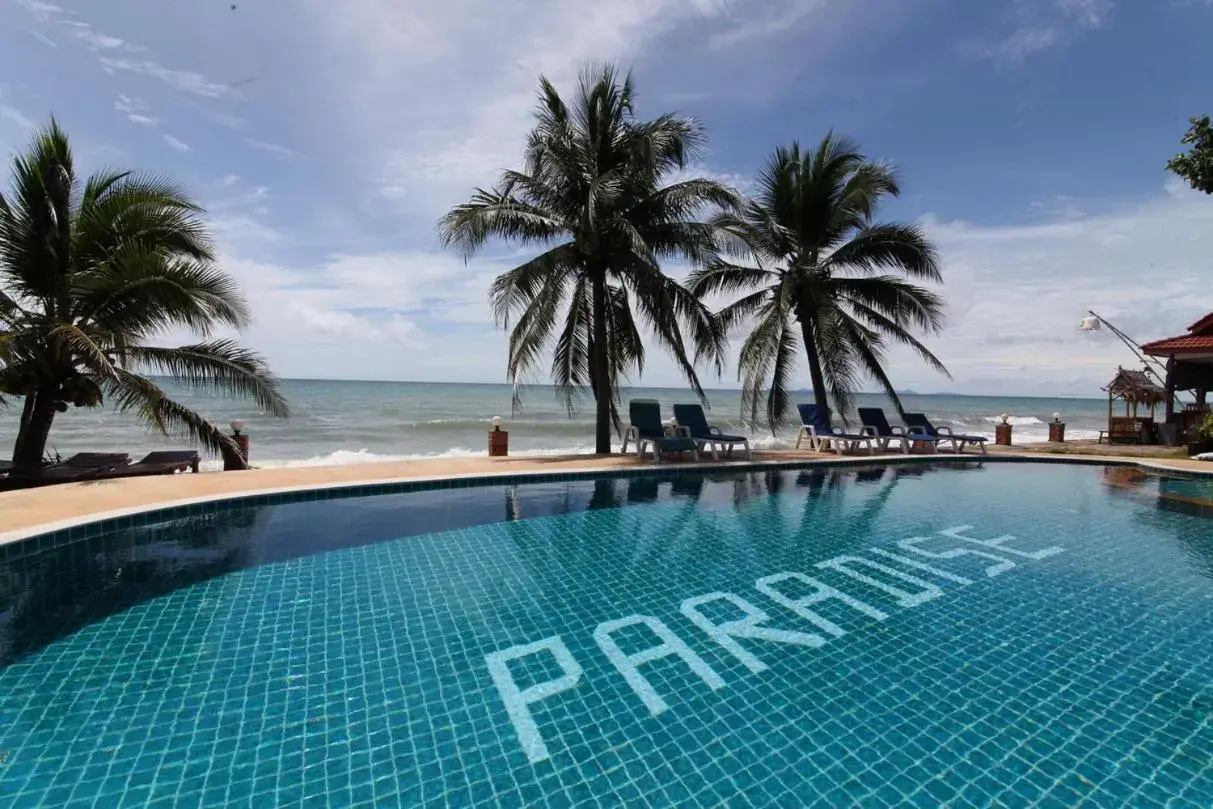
[(1006, 634)]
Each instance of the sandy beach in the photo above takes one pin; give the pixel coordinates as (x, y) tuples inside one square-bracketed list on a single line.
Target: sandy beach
[(24, 513)]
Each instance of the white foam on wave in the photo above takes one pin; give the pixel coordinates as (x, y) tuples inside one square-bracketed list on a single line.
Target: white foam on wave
[(1018, 421), (347, 457)]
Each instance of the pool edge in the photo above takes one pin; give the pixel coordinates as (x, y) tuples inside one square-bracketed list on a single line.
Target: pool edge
[(167, 509)]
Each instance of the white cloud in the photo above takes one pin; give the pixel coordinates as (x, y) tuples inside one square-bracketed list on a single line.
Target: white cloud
[(765, 21), (184, 80), (273, 148), (350, 326), (11, 113), (427, 149), (1040, 25), (180, 146), (1018, 292), (41, 37), (135, 110), (39, 8), (1015, 294), (96, 39)]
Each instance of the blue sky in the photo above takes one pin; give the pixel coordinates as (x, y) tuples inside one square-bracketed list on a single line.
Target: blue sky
[(325, 138)]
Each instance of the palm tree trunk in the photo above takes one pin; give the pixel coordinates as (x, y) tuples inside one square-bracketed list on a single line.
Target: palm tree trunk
[(601, 370), (36, 418), (808, 337)]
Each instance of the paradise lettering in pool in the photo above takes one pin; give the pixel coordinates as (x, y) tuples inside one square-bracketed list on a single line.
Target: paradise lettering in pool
[(753, 623)]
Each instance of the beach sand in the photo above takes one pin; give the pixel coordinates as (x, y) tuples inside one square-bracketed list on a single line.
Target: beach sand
[(23, 511)]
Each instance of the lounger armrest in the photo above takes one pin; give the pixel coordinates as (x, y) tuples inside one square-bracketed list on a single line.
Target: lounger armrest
[(917, 432), (713, 430), (897, 430), (943, 430), (868, 429)]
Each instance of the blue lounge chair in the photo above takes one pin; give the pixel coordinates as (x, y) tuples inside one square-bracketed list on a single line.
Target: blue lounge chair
[(647, 430), (875, 423), (918, 422), (692, 419), (816, 429)]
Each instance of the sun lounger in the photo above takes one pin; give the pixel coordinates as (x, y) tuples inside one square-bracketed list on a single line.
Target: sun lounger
[(647, 430), (918, 422), (875, 423), (81, 466), (815, 428), (163, 462), (691, 418)]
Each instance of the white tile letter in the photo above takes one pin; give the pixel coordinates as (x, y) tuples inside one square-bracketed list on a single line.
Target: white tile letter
[(1003, 564), (901, 560), (747, 627), (629, 664), (822, 592), (846, 564), (997, 544), (518, 701)]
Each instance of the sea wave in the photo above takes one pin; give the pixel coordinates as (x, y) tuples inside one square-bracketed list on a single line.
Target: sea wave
[(1018, 421), (351, 457), (348, 457)]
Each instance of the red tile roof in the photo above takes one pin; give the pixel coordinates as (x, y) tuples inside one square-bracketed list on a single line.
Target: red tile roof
[(1187, 344), (1203, 326), (1198, 340)]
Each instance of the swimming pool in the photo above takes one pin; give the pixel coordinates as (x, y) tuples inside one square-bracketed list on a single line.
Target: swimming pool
[(1035, 634)]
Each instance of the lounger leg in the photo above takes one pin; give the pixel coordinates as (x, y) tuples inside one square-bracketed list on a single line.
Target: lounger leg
[(800, 436)]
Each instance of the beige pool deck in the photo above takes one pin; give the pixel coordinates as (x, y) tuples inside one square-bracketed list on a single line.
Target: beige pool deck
[(33, 511)]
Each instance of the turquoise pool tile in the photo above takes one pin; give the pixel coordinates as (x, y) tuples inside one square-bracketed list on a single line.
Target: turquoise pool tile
[(298, 650)]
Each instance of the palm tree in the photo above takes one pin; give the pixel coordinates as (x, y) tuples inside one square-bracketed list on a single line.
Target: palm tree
[(91, 274), (827, 279), (591, 195)]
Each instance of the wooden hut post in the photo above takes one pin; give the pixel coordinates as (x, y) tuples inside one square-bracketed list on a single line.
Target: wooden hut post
[(1170, 389)]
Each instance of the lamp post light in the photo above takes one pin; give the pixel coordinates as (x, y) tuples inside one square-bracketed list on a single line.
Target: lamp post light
[(238, 460), (1002, 431), (1057, 429), (499, 439)]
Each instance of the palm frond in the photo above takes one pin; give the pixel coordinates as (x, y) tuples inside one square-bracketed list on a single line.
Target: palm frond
[(467, 227), (571, 372), (139, 396), (887, 247), (220, 365), (514, 291)]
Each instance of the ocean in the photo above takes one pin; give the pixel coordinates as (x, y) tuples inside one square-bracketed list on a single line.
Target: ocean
[(341, 422)]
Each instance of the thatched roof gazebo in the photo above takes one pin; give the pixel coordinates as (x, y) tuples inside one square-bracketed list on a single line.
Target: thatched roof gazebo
[(1136, 390)]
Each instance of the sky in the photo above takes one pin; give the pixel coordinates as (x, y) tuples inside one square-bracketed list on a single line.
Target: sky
[(326, 138)]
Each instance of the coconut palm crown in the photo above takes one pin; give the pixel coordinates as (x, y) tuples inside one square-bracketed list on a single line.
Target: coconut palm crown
[(93, 273), (597, 194), (822, 278)]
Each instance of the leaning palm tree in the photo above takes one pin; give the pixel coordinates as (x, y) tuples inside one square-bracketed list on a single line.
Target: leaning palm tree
[(592, 195), (827, 279), (93, 273)]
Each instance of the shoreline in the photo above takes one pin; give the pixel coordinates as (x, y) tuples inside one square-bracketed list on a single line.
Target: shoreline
[(30, 512)]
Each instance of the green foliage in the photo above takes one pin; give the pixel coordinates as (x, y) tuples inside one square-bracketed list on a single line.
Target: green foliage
[(1205, 429), (91, 274), (595, 197), (1196, 165), (825, 279)]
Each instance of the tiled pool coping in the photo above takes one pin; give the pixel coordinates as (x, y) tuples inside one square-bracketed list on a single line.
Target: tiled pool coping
[(144, 514)]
